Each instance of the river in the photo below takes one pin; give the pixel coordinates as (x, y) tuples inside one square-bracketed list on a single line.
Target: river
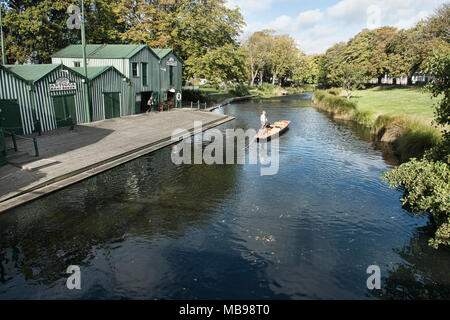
[(153, 230)]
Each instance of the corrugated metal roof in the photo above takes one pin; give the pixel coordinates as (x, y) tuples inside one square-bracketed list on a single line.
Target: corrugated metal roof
[(32, 72), (100, 51), (161, 53), (92, 72)]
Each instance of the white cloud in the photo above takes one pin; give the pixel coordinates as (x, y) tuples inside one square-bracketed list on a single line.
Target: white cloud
[(282, 24), (381, 12), (350, 11), (249, 6), (309, 18), (318, 39), (305, 20), (408, 23)]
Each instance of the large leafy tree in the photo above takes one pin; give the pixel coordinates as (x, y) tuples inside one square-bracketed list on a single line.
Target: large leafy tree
[(437, 25), (306, 69), (349, 76), (331, 61), (256, 49), (427, 181), (35, 29), (407, 52), (191, 27), (283, 55), (221, 65)]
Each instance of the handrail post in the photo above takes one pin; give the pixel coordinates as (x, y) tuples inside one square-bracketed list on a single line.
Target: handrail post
[(13, 136), (36, 150), (38, 124)]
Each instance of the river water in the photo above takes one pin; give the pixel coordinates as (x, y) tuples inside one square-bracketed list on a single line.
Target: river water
[(153, 230)]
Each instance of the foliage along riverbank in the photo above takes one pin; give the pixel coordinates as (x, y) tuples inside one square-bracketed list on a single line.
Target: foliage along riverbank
[(211, 95), (410, 136)]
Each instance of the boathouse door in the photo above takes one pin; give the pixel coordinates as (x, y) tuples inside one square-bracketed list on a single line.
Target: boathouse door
[(65, 110), (112, 104), (10, 118)]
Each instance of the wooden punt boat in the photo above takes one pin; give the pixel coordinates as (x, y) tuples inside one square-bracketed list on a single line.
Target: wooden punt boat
[(278, 127)]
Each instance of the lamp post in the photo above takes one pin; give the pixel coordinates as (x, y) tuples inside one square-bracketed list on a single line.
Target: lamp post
[(83, 41), (2, 38)]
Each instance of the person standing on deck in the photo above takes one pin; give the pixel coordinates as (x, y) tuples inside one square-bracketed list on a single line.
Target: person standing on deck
[(150, 104)]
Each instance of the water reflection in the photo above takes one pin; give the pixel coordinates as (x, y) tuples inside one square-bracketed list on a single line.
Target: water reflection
[(423, 273)]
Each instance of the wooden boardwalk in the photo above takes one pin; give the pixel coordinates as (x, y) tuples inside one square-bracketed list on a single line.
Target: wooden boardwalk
[(67, 157)]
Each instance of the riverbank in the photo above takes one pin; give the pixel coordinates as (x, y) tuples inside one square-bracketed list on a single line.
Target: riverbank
[(409, 135), (67, 157)]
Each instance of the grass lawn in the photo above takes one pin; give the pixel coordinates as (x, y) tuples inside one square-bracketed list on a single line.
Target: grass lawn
[(395, 100)]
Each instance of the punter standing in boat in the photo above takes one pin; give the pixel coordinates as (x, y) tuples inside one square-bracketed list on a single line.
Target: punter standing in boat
[(264, 122)]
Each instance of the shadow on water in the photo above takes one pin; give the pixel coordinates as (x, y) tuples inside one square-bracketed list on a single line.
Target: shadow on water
[(42, 238)]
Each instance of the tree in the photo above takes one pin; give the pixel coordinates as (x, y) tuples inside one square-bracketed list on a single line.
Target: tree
[(256, 49), (221, 65), (427, 181), (408, 50), (306, 69), (34, 30), (379, 56), (349, 77), (438, 65), (329, 63), (190, 27), (282, 55), (437, 25)]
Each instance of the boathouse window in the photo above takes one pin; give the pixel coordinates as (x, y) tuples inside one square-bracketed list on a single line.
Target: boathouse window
[(134, 69), (144, 74), (77, 64), (171, 75)]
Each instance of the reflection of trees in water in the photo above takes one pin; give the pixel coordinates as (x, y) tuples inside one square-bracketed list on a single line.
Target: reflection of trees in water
[(364, 133), (424, 274), (147, 198)]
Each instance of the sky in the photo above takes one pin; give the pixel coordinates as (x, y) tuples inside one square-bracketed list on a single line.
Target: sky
[(318, 24)]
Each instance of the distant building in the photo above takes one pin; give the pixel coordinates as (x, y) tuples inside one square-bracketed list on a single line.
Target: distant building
[(417, 78)]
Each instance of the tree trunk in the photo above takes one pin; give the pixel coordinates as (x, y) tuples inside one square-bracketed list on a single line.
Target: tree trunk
[(261, 75), (254, 74), (273, 79)]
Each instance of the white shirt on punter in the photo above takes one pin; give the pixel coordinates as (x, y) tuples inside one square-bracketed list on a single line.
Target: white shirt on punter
[(263, 119)]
